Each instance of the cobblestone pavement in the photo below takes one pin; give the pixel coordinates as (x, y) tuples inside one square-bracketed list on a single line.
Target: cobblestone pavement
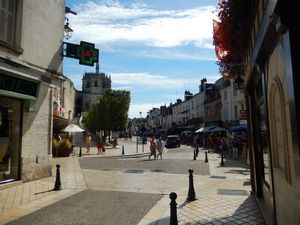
[(222, 197)]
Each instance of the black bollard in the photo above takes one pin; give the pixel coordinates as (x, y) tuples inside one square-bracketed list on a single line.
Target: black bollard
[(80, 153), (191, 194), (197, 151), (57, 185), (173, 209), (123, 150), (222, 158), (194, 154), (206, 158)]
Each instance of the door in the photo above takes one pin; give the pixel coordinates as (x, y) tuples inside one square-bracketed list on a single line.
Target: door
[(10, 139)]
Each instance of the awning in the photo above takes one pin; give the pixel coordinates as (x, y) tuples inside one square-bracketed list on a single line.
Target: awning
[(217, 129), (241, 127), (205, 129)]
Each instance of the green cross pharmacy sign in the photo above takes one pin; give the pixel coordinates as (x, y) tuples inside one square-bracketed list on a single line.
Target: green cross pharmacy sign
[(85, 52)]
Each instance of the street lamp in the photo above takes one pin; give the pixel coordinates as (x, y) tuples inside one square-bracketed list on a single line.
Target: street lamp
[(67, 30)]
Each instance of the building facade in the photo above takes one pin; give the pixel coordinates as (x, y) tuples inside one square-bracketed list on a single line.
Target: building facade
[(272, 79), (30, 64)]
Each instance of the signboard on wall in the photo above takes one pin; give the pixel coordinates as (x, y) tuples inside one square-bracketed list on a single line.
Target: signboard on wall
[(243, 114), (85, 52)]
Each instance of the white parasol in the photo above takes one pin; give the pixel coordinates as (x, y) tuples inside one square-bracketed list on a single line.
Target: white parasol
[(73, 128)]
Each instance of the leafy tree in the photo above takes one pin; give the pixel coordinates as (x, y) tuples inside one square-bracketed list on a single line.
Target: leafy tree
[(231, 35), (111, 112)]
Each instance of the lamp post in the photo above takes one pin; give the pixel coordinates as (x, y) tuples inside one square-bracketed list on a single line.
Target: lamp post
[(67, 30)]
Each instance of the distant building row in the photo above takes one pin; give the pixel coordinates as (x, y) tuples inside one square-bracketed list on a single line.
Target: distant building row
[(218, 104)]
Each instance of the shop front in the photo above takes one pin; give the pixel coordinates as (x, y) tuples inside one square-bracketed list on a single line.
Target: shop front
[(15, 93), (10, 136)]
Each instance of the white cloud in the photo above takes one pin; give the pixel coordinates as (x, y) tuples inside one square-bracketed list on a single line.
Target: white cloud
[(177, 55), (135, 109), (111, 23), (150, 81)]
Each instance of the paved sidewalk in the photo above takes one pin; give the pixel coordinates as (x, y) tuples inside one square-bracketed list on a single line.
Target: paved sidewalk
[(222, 197)]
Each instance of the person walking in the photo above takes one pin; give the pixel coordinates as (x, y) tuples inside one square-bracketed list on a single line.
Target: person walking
[(160, 147), (88, 142), (153, 147), (100, 143), (234, 148)]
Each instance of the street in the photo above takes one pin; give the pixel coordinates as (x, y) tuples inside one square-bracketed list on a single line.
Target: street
[(121, 189)]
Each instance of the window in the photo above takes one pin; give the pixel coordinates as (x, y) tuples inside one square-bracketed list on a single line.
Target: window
[(235, 112), (96, 83), (7, 20), (234, 92), (225, 95), (10, 24), (88, 84)]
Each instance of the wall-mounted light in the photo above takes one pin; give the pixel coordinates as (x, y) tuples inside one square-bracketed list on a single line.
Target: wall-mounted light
[(67, 30)]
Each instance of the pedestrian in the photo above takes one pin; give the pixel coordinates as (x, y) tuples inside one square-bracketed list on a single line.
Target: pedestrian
[(160, 147), (209, 142), (100, 143), (223, 144), (152, 147), (115, 143), (88, 142), (234, 148)]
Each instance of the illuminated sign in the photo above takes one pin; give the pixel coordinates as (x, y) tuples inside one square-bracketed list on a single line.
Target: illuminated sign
[(85, 52), (9, 83)]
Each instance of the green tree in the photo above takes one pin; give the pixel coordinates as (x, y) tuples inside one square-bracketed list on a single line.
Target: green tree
[(111, 112)]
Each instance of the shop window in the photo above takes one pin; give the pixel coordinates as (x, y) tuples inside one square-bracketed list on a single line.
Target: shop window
[(278, 129), (10, 119), (263, 148)]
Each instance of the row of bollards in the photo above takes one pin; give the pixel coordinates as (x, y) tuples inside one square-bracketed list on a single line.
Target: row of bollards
[(173, 196)]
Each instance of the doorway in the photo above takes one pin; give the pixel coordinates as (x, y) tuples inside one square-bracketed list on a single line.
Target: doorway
[(10, 139)]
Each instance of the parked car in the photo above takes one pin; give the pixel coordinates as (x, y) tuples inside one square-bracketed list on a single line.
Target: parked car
[(172, 141)]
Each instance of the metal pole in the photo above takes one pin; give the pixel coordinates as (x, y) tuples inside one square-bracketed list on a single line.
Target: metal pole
[(57, 185), (123, 150), (173, 209), (80, 153), (222, 158), (191, 194), (206, 158)]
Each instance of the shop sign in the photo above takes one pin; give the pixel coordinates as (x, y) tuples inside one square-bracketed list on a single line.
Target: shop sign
[(85, 52), (243, 114), (9, 83)]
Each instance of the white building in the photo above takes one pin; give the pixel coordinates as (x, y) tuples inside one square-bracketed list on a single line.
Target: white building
[(232, 102), (31, 36)]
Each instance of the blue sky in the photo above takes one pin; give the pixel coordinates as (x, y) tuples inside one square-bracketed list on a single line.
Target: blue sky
[(156, 49)]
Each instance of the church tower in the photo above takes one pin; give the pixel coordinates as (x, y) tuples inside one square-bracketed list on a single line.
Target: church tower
[(93, 87)]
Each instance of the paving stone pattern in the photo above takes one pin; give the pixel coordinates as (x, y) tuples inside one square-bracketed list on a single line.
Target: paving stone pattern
[(173, 166)]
